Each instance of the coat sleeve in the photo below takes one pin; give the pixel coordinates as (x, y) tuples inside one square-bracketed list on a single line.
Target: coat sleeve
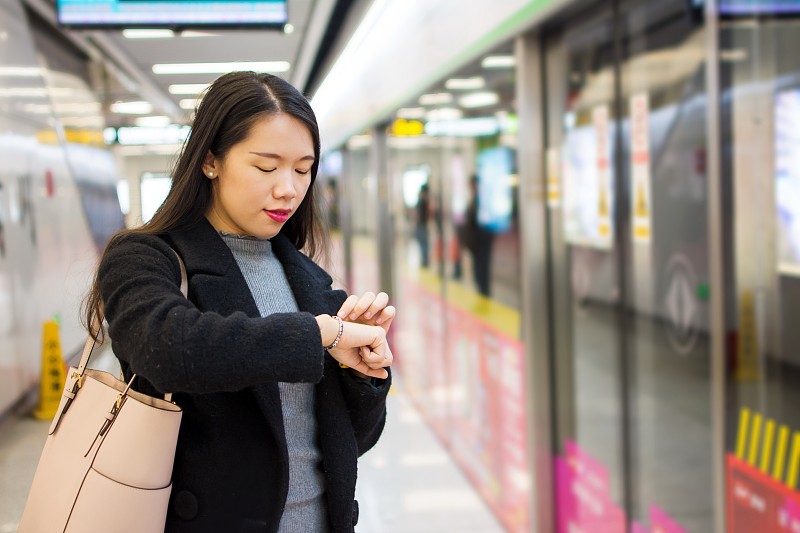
[(366, 403), (168, 341)]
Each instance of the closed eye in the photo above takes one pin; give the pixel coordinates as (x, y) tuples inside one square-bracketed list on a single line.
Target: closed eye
[(302, 172), (266, 170)]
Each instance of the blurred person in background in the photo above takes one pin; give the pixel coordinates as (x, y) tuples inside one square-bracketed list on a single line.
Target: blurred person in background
[(421, 230), (478, 239)]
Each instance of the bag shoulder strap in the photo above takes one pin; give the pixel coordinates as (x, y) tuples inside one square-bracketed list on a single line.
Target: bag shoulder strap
[(97, 324)]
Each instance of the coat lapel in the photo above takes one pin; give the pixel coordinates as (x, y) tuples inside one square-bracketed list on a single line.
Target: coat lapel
[(310, 283), (217, 284)]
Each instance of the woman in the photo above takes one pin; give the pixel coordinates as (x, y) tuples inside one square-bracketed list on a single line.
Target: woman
[(279, 397)]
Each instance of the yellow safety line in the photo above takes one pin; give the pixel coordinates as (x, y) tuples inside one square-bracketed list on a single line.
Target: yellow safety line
[(741, 440), (755, 436), (791, 479), (780, 457), (766, 452)]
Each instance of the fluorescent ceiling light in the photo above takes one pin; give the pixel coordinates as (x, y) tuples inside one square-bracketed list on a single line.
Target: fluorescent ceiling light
[(462, 84), (481, 99), (411, 112), (172, 134), (733, 55), (21, 72), (88, 108), (445, 113), (435, 99), (465, 127), (39, 109), (157, 121), (132, 108), (190, 34), (220, 68), (147, 34), (23, 92), (188, 88), (359, 141), (504, 61), (189, 103)]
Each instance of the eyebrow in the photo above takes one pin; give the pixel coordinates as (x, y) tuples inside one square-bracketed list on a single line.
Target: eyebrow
[(276, 156)]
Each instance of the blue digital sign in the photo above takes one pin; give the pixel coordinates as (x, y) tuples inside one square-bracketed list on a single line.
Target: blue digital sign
[(171, 13), (759, 7)]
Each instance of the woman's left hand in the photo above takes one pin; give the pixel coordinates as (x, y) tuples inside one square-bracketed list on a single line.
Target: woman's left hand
[(370, 309)]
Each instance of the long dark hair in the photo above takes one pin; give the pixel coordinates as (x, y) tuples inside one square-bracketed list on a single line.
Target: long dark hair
[(227, 112)]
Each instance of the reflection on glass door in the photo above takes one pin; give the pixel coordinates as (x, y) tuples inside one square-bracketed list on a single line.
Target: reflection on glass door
[(761, 132), (581, 140), (663, 102), (629, 258)]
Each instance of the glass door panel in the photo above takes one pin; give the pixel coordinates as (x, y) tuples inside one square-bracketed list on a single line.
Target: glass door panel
[(668, 353), (628, 212), (580, 146), (761, 134)]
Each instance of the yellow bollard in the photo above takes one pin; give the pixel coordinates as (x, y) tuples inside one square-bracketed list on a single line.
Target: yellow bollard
[(53, 373)]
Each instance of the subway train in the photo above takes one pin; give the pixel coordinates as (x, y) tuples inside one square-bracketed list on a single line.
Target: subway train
[(58, 196), (586, 213)]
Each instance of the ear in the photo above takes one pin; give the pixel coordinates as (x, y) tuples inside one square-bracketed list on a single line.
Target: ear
[(210, 166)]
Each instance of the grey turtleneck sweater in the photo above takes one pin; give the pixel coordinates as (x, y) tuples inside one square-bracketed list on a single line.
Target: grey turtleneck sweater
[(305, 505)]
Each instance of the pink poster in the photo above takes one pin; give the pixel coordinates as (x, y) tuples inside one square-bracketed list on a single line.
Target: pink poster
[(660, 522), (470, 386), (583, 497)]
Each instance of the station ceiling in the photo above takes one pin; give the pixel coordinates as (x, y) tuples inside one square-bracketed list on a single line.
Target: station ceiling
[(133, 53)]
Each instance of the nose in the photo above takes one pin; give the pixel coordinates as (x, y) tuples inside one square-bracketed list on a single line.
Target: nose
[(284, 186)]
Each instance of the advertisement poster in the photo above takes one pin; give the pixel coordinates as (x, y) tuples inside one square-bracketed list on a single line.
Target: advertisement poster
[(583, 495), (495, 192), (787, 179), (661, 522), (553, 178), (420, 350), (641, 200), (488, 433), (587, 193), (757, 502), (604, 185)]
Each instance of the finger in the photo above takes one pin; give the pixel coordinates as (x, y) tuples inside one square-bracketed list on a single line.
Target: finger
[(380, 302), (347, 306), (363, 304), (386, 316), (372, 372), (375, 361)]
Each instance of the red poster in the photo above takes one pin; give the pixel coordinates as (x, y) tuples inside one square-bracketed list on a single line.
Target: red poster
[(757, 502)]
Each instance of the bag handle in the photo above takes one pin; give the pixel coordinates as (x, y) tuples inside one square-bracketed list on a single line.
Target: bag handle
[(88, 348)]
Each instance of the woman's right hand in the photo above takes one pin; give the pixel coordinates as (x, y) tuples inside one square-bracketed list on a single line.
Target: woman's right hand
[(361, 347)]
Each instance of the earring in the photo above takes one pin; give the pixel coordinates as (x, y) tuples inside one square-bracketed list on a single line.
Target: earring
[(210, 174)]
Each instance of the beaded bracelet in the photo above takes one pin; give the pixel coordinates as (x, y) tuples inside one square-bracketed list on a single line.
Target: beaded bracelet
[(338, 335)]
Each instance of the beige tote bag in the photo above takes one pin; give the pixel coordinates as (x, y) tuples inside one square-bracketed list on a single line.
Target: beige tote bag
[(107, 462)]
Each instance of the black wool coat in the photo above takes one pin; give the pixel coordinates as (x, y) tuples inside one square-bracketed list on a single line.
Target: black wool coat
[(223, 363)]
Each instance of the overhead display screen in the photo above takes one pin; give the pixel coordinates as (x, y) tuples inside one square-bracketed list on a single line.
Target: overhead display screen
[(787, 179), (172, 13), (759, 7)]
